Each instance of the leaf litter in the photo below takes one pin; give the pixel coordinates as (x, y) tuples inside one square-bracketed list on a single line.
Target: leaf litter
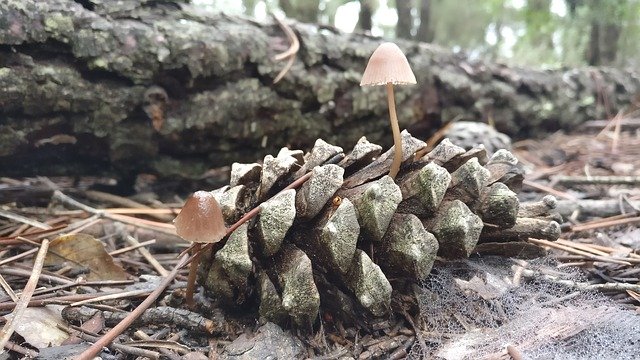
[(578, 303)]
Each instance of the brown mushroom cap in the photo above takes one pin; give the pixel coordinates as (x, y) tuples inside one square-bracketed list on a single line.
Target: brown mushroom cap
[(200, 219), (386, 65)]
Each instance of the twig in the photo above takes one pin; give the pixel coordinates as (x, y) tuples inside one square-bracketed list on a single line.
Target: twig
[(136, 211), (71, 228), (107, 338), (628, 123), (153, 225), (19, 271), (580, 252), (166, 352), (132, 247), (123, 201), (595, 208), (147, 256), (10, 345), (548, 189), (24, 220), (120, 295), (124, 348), (79, 282), (47, 299), (601, 224), (17, 257), (584, 247), (290, 53), (27, 292), (159, 344), (623, 287), (7, 288), (597, 180), (423, 344)]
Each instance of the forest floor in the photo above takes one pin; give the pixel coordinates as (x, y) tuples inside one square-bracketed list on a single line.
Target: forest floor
[(120, 249)]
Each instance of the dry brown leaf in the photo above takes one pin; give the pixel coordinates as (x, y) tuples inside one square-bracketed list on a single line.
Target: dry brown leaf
[(38, 326), (82, 250)]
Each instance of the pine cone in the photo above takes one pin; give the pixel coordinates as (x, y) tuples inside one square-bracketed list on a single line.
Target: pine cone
[(339, 238)]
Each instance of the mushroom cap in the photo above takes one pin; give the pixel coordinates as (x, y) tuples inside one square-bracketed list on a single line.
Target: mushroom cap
[(386, 65), (200, 219)]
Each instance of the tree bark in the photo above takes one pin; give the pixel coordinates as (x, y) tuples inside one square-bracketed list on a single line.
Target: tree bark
[(159, 87)]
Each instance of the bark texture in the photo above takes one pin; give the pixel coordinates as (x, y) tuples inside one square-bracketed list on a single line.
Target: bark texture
[(140, 86)]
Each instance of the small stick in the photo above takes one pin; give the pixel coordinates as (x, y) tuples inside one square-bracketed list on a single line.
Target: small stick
[(47, 299), (580, 252), (135, 211), (289, 53), (10, 345), (166, 352), (132, 247), (120, 295), (27, 292), (584, 247), (549, 190), (601, 224), (597, 180), (7, 288), (24, 220), (153, 225), (107, 338), (622, 287), (147, 256), (123, 201), (124, 348), (18, 257)]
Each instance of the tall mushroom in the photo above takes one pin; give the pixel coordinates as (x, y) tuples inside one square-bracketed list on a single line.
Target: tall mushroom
[(388, 66), (199, 221)]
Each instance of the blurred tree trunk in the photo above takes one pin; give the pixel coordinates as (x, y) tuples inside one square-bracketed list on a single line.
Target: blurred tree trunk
[(367, 8), (162, 88), (592, 54), (604, 34), (405, 20), (301, 10), (603, 44), (425, 32), (610, 35)]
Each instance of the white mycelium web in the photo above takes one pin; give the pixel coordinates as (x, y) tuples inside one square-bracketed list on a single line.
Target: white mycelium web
[(473, 309)]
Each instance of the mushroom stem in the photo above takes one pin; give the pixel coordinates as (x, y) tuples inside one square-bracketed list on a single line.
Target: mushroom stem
[(193, 271), (395, 128)]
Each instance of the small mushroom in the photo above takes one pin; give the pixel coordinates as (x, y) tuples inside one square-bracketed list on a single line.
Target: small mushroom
[(388, 66), (199, 221)]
